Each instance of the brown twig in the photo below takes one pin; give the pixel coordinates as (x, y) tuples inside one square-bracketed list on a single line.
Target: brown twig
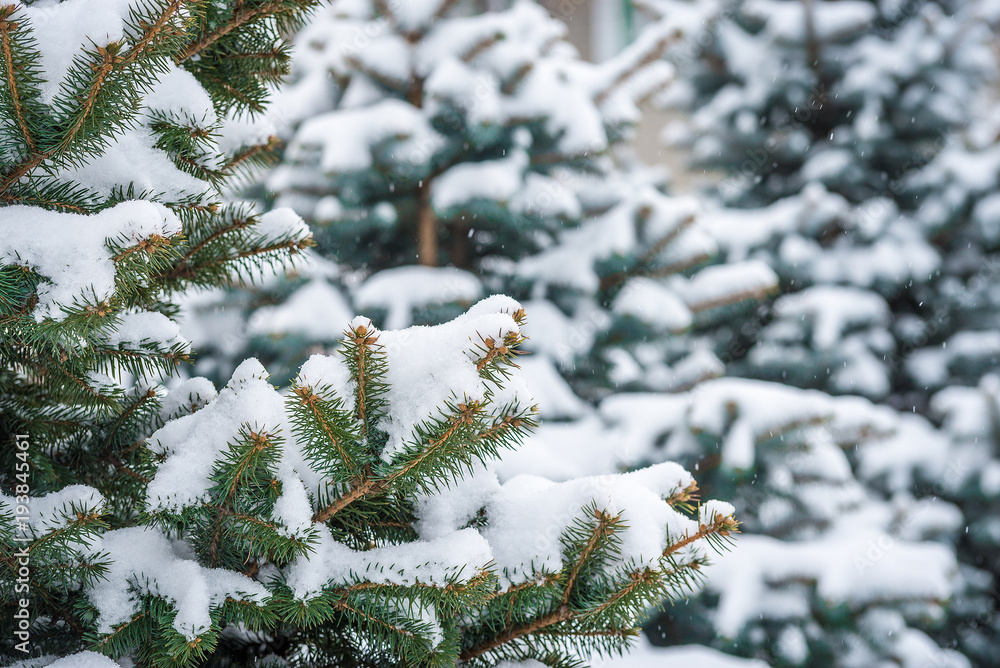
[(5, 29), (240, 17)]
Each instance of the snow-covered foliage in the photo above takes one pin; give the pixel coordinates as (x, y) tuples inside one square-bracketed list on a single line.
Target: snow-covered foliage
[(396, 499), (857, 160), (481, 140), (833, 535), (362, 503), (110, 179), (834, 124), (111, 170)]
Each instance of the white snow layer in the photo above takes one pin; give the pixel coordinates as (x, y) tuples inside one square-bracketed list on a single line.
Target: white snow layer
[(455, 557), (62, 30), (345, 140), (431, 365), (56, 509), (85, 659), (529, 515), (852, 564), (403, 290), (143, 558), (71, 250)]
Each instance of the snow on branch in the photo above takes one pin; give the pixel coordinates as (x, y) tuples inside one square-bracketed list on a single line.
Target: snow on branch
[(420, 414), (74, 253)]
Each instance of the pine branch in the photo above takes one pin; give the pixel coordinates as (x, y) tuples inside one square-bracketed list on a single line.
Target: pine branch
[(335, 431), (721, 526), (637, 580), (606, 526), (561, 614), (20, 115), (110, 62), (644, 265), (362, 352), (289, 245), (374, 75), (444, 8), (250, 153), (653, 53), (344, 605), (240, 17), (11, 199), (130, 410), (359, 490), (383, 8), (734, 298), (682, 498), (482, 45)]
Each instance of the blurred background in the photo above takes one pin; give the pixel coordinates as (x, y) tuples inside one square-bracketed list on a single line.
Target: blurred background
[(760, 238)]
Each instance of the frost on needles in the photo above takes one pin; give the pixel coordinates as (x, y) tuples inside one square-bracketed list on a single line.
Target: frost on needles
[(355, 519)]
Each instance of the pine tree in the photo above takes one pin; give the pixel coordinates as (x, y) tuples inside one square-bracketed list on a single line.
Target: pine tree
[(951, 365), (818, 114), (836, 128), (110, 185), (488, 146)]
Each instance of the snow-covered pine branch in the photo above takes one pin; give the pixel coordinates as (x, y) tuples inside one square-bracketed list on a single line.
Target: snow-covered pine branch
[(112, 166), (357, 514), (114, 149)]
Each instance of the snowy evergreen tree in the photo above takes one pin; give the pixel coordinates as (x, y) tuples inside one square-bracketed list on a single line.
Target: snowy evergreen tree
[(484, 143), (819, 114), (837, 129), (952, 360), (112, 163)]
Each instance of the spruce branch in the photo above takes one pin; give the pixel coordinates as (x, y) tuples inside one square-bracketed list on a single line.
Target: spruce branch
[(561, 614), (11, 199), (366, 360), (382, 8), (249, 154), (683, 498), (180, 268), (7, 27), (327, 431), (733, 298), (606, 526), (110, 61), (644, 266), (720, 526), (241, 17), (444, 8), (652, 53)]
